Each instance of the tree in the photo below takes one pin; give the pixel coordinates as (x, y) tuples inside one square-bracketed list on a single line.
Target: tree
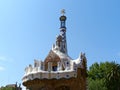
[(7, 88), (98, 71), (96, 74), (96, 84), (113, 77), (105, 75)]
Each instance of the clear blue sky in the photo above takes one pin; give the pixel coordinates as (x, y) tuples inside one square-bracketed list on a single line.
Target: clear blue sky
[(28, 29)]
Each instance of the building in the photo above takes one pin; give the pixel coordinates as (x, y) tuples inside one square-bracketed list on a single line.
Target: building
[(58, 71)]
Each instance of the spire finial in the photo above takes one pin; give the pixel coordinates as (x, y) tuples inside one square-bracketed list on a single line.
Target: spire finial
[(63, 11), (63, 17)]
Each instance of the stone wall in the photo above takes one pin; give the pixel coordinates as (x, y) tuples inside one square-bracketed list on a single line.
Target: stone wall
[(78, 83)]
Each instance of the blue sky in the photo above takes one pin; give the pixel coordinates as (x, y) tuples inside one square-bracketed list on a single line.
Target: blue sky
[(28, 29)]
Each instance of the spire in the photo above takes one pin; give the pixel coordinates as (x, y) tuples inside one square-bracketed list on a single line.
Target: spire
[(61, 43), (63, 18)]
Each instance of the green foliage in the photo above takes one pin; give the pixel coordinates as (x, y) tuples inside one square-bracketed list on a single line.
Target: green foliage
[(113, 77), (7, 88), (104, 76), (96, 84)]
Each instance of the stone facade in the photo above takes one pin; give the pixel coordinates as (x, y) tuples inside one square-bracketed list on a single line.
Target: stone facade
[(74, 83)]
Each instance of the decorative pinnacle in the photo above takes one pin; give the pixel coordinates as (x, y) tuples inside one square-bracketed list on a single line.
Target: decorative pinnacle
[(63, 11)]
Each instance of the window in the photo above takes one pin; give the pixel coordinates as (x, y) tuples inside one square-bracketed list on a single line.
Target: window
[(67, 63), (54, 68)]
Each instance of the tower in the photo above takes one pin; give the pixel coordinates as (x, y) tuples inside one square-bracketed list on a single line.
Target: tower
[(58, 71), (61, 39)]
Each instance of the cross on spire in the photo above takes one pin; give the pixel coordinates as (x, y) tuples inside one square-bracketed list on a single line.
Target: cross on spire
[(63, 11)]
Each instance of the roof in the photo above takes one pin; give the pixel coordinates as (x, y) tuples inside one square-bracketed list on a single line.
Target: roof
[(62, 55), (52, 57)]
